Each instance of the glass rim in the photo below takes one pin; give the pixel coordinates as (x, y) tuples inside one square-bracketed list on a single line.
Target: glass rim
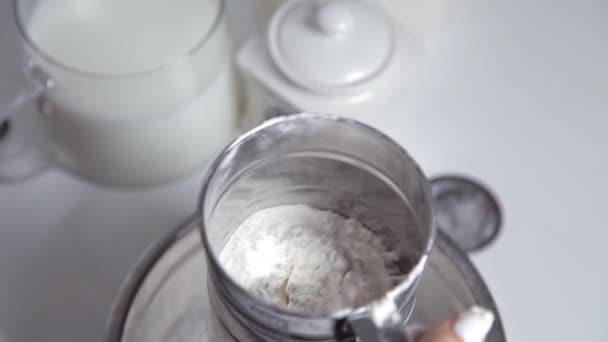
[(23, 33)]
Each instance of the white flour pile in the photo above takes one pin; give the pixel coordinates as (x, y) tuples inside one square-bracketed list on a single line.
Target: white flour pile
[(309, 259)]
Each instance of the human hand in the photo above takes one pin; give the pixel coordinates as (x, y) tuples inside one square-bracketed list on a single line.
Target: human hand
[(470, 326)]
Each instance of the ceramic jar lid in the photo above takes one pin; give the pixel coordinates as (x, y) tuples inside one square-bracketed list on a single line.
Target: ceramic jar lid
[(330, 45)]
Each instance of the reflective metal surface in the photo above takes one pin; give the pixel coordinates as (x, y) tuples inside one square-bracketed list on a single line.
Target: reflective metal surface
[(326, 162), (165, 297), (467, 211)]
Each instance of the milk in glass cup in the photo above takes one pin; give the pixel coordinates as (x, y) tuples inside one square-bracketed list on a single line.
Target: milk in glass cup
[(132, 92)]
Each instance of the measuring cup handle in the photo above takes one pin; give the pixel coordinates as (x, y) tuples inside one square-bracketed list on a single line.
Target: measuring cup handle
[(21, 134)]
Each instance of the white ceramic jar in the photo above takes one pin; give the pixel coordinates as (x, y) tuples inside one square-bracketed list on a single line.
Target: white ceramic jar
[(335, 56)]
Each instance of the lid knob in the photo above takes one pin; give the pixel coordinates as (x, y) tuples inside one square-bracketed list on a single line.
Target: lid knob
[(335, 18), (330, 46)]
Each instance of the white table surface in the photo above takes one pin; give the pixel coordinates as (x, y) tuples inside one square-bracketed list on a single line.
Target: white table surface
[(514, 93)]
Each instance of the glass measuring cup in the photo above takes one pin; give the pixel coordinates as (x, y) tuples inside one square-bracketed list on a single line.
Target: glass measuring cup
[(329, 163), (131, 92)]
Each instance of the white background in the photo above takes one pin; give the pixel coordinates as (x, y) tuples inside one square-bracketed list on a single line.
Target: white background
[(515, 93)]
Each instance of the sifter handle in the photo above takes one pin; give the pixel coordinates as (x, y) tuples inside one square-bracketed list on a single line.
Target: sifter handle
[(380, 322)]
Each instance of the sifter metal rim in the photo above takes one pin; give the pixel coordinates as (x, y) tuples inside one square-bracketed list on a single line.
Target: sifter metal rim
[(120, 309), (297, 118)]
